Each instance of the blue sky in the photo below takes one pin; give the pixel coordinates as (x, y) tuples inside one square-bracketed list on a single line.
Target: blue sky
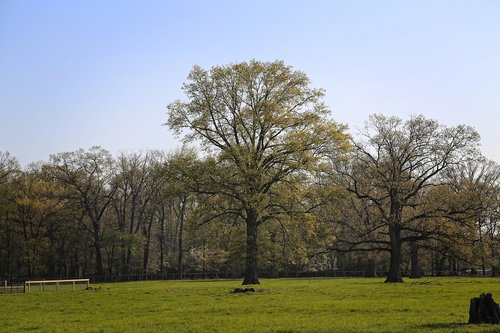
[(81, 73)]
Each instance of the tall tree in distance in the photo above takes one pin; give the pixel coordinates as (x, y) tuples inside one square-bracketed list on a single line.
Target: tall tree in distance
[(263, 124), (478, 183), (131, 201), (88, 174), (391, 169), (181, 169)]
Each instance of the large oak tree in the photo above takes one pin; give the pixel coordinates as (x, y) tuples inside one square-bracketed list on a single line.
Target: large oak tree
[(264, 125), (391, 170)]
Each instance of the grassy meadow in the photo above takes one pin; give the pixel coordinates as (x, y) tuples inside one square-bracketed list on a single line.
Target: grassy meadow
[(279, 305)]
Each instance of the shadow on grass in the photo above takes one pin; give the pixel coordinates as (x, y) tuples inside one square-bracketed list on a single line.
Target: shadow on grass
[(207, 280), (484, 328), (443, 325)]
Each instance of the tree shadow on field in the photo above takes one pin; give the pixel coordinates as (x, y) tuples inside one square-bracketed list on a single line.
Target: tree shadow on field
[(484, 328), (443, 325), (209, 280)]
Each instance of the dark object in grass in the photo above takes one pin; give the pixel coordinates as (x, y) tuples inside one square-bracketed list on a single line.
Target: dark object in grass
[(243, 290), (483, 309)]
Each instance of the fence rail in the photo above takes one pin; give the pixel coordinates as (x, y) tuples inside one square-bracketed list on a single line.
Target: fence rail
[(18, 283), (12, 288), (43, 283)]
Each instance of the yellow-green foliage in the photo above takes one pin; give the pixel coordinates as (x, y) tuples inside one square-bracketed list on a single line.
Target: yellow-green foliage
[(280, 305)]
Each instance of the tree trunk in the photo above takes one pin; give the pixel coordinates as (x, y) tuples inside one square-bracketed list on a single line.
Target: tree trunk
[(162, 241), (128, 259), (147, 245), (110, 261), (251, 249), (440, 266), (120, 213), (481, 243), (99, 268), (415, 269), (370, 268), (493, 267), (455, 267), (394, 275), (182, 212)]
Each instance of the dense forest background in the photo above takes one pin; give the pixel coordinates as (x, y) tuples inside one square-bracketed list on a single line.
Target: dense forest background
[(87, 213), (401, 196)]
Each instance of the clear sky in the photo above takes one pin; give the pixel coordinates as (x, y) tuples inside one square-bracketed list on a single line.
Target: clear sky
[(74, 74)]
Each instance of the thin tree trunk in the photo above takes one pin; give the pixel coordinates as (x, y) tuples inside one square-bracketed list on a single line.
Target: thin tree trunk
[(99, 268), (162, 241), (251, 276), (123, 258), (110, 261), (440, 266), (147, 245), (370, 268), (394, 275), (121, 215), (128, 260), (481, 243), (122, 270), (180, 239), (493, 267), (415, 269), (99, 271), (432, 262)]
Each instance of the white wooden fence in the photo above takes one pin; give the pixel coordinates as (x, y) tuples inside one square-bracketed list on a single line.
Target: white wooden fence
[(57, 283)]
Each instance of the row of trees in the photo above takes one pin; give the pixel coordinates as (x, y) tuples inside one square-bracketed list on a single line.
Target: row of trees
[(88, 213), (280, 186)]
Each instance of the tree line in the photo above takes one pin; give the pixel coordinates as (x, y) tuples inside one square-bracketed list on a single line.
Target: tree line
[(275, 185)]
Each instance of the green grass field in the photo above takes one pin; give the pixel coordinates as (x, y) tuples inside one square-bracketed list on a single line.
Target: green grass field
[(279, 305)]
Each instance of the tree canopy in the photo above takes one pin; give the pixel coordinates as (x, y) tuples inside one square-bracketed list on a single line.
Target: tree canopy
[(265, 125)]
